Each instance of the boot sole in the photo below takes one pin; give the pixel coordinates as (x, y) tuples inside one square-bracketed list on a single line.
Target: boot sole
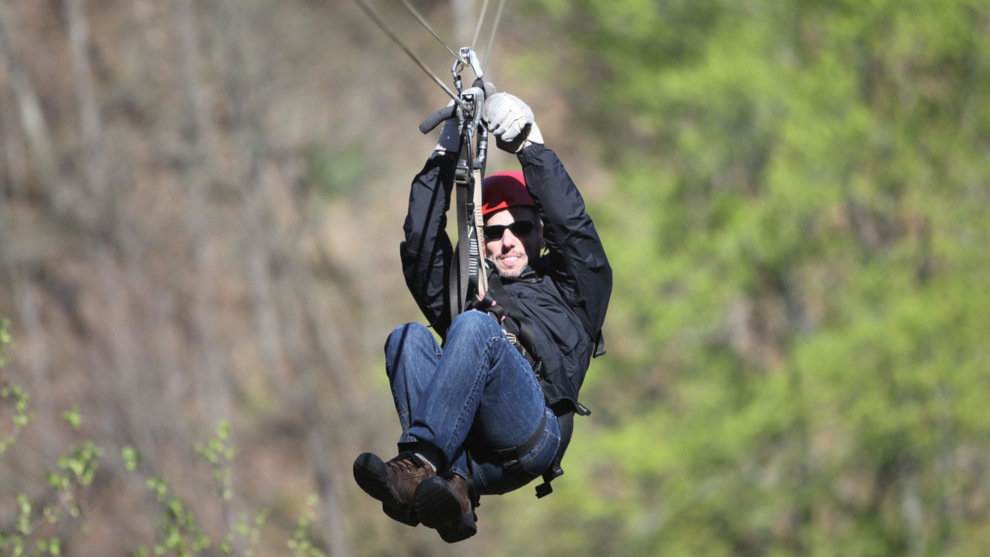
[(438, 507), (371, 475)]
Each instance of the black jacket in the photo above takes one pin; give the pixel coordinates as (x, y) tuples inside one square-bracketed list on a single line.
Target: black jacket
[(563, 294)]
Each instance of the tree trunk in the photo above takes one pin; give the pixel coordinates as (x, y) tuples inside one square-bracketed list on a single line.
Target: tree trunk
[(90, 125), (60, 196), (243, 88), (199, 161)]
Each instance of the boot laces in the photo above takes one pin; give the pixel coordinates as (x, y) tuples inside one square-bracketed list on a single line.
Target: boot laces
[(405, 463)]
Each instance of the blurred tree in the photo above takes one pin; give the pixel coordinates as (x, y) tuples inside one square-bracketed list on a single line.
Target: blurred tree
[(168, 259), (795, 324)]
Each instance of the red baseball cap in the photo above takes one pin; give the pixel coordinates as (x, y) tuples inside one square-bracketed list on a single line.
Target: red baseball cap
[(503, 190)]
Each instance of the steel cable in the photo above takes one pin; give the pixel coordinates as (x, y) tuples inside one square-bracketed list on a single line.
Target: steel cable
[(370, 11), (373, 14), (491, 37), (422, 21)]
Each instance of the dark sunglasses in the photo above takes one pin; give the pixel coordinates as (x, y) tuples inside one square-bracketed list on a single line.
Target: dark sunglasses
[(518, 228)]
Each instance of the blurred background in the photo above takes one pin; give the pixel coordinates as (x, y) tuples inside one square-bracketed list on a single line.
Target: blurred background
[(200, 209)]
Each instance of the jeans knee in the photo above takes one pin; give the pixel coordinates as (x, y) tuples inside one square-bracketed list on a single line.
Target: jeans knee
[(411, 338), (474, 322), (404, 334)]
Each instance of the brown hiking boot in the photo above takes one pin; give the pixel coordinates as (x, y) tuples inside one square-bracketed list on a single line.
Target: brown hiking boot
[(393, 483), (446, 506)]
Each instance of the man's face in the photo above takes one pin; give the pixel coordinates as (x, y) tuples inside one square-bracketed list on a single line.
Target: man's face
[(512, 236)]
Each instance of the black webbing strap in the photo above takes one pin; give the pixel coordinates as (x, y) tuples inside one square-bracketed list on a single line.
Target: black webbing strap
[(497, 294), (459, 278), (509, 457), (467, 278), (566, 423)]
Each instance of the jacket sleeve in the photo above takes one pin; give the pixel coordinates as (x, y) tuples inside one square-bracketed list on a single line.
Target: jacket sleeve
[(576, 255), (426, 252)]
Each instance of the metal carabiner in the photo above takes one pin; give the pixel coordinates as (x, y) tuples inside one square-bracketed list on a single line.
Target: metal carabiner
[(468, 104), (466, 56)]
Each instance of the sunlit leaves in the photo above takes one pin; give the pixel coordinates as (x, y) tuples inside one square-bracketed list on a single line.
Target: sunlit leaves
[(798, 195)]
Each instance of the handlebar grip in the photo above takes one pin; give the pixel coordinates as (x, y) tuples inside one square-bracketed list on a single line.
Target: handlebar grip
[(433, 120)]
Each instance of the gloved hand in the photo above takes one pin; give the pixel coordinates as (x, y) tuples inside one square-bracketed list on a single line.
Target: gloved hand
[(450, 136), (511, 121)]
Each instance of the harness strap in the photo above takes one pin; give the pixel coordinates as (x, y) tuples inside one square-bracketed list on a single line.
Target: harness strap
[(459, 274), (510, 457), (478, 256), (497, 296), (566, 422), (468, 280)]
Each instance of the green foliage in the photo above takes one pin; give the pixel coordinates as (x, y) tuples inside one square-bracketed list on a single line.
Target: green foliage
[(6, 342), (131, 458), (73, 417), (76, 469), (247, 530), (797, 364), (219, 453), (11, 394), (301, 544), (178, 530), (21, 415)]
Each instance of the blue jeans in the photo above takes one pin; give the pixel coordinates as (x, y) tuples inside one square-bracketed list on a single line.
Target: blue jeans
[(475, 395)]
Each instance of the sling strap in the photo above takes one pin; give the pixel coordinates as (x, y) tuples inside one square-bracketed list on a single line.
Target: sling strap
[(505, 305), (467, 279), (510, 457)]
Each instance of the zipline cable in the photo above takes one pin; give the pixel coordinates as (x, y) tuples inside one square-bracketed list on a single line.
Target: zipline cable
[(373, 14), (492, 33), (477, 28), (370, 11), (422, 21), (491, 37)]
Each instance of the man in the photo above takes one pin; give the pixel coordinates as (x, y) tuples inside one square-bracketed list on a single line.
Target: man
[(492, 408)]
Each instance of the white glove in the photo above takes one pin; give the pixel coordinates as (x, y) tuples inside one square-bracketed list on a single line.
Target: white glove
[(511, 121)]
